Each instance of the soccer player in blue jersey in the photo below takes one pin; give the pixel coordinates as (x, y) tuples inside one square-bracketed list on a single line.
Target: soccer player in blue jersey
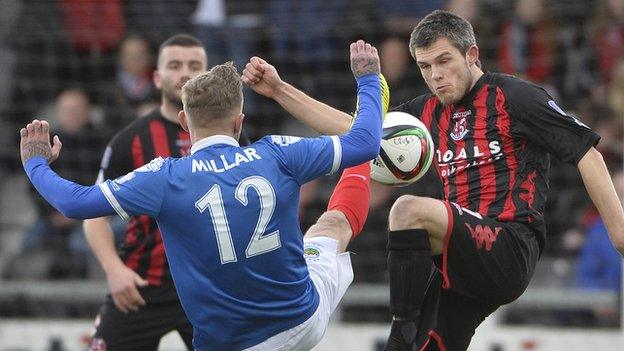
[(228, 214)]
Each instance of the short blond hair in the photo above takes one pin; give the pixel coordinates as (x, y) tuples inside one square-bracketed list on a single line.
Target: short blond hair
[(213, 95)]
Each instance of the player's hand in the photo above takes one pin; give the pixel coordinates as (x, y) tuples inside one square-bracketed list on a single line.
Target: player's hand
[(35, 141), (261, 77), (123, 283), (364, 59)]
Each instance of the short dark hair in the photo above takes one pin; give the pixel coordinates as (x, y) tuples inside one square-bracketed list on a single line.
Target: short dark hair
[(185, 40), (442, 24)]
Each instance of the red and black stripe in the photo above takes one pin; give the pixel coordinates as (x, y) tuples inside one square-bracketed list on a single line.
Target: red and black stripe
[(143, 249)]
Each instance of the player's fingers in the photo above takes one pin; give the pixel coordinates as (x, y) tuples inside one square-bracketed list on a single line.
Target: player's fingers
[(260, 60), (120, 302), (374, 51), (254, 70), (31, 129), (360, 45), (353, 48), (140, 281), (56, 146), (250, 77), (246, 80), (368, 47), (23, 133), (45, 127), (136, 299), (37, 127), (131, 301)]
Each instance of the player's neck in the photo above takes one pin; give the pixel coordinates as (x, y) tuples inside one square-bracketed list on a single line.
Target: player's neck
[(476, 75), (198, 134), (169, 111)]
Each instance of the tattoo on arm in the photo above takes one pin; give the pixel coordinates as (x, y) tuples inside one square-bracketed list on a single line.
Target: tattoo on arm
[(364, 65), (36, 148)]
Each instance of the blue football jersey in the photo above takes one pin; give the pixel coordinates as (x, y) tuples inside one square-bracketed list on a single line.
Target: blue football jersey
[(229, 221)]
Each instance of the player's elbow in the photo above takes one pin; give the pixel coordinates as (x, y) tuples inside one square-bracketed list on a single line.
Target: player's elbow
[(373, 152), (70, 209), (618, 243)]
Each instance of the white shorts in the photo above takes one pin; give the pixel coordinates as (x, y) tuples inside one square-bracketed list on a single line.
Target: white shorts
[(331, 274)]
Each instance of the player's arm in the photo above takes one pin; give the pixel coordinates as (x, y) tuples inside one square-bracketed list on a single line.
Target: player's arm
[(361, 143), (263, 78), (571, 141), (602, 192), (71, 199), (144, 196), (122, 281)]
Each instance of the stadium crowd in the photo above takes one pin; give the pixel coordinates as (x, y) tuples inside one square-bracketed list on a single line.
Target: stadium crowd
[(87, 66)]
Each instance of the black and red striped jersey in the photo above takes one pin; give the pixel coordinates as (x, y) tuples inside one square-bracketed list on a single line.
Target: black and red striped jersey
[(143, 140), (493, 147)]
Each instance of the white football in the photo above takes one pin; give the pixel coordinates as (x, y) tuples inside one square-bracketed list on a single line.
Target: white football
[(406, 150)]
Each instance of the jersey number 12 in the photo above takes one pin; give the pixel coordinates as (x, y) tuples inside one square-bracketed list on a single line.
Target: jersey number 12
[(260, 242)]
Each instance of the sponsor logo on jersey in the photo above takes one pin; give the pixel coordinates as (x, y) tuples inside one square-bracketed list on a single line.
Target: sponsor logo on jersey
[(283, 140), (125, 178), (483, 235), (556, 107), (311, 252), (153, 166), (451, 162)]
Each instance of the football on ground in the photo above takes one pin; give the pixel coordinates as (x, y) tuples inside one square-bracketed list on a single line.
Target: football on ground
[(406, 150)]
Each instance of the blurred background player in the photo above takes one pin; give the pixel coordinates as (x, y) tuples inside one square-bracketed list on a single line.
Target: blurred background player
[(143, 304)]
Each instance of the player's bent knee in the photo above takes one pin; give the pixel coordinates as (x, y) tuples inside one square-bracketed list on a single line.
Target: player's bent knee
[(408, 212), (332, 224)]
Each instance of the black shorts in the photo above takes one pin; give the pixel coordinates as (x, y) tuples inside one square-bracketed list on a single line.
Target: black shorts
[(484, 264), (139, 330)]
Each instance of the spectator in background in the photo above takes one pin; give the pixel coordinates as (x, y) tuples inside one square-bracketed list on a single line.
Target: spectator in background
[(134, 73), (608, 27), (400, 16), (94, 29), (615, 92), (403, 80), (157, 20), (85, 144), (599, 263), (527, 42), (230, 31)]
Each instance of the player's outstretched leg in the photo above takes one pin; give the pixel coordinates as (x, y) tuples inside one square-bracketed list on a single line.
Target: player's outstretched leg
[(409, 263), (347, 208)]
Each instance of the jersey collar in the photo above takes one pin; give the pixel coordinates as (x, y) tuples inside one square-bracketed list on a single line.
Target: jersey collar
[(213, 140)]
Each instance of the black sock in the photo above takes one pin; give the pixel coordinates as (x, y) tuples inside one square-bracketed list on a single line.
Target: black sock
[(409, 263)]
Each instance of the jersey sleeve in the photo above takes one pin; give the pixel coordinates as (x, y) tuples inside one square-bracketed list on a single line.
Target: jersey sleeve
[(138, 192), (116, 160), (546, 124), (308, 158)]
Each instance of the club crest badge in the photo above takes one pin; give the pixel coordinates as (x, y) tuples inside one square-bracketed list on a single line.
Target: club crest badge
[(460, 129)]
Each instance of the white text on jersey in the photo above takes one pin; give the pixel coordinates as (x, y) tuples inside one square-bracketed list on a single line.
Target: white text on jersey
[(222, 164)]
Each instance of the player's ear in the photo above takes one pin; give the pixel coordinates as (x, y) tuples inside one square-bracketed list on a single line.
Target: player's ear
[(238, 123), (472, 55), (183, 121), (157, 79)]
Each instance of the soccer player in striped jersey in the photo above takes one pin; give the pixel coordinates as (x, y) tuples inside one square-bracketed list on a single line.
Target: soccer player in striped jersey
[(227, 217), (454, 261)]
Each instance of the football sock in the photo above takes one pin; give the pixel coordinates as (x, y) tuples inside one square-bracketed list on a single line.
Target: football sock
[(409, 263), (351, 196)]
